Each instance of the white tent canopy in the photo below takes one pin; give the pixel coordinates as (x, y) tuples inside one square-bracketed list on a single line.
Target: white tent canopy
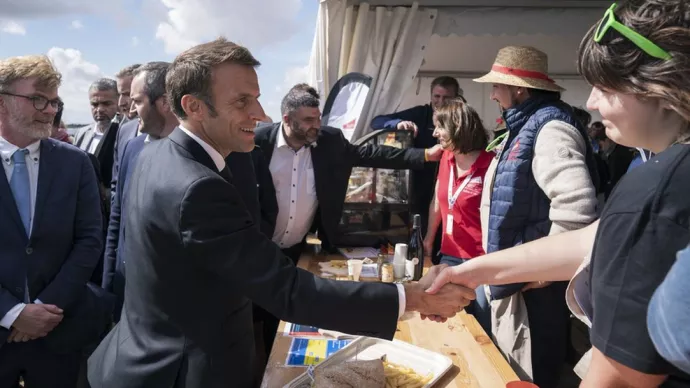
[(403, 45)]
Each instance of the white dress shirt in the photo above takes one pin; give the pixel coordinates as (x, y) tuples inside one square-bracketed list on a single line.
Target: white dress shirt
[(32, 162), (293, 178), (95, 140), (220, 164)]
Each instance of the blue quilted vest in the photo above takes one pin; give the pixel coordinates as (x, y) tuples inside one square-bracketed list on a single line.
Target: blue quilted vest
[(519, 210)]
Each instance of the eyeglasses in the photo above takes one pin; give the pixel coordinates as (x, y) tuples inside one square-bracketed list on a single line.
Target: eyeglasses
[(40, 103), (640, 41)]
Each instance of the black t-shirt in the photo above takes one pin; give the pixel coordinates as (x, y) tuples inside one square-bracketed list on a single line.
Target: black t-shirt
[(644, 224)]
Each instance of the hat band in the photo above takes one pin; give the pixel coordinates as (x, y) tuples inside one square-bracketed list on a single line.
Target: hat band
[(521, 73)]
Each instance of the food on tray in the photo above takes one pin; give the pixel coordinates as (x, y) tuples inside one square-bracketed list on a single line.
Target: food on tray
[(352, 374), (398, 376), (338, 263)]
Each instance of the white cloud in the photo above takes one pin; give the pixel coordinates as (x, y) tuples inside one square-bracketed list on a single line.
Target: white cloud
[(135, 41), (77, 76), (76, 25), (257, 23), (12, 27), (272, 99)]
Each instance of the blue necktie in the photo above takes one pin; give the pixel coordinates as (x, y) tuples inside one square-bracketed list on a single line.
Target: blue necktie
[(19, 183)]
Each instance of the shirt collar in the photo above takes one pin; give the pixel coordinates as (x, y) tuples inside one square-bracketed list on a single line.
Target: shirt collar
[(483, 161), (7, 149), (215, 155)]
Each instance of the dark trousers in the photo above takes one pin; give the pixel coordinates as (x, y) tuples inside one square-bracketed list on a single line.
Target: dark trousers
[(478, 308), (37, 366)]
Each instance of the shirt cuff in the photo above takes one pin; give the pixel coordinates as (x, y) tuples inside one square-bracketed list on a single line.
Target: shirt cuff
[(38, 301), (402, 301), (8, 320)]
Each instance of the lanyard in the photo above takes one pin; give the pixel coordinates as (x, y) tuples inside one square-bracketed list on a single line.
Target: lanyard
[(451, 179)]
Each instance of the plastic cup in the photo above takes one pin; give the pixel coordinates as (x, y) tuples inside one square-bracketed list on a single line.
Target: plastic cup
[(354, 268)]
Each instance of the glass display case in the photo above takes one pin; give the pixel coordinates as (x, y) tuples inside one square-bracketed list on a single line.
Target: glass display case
[(377, 204)]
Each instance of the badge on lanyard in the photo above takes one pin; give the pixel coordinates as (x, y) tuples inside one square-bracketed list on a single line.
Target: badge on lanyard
[(452, 197)]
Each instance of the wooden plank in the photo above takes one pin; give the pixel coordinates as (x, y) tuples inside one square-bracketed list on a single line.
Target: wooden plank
[(477, 363)]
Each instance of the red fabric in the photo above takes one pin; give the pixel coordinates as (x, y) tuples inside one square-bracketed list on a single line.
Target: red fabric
[(466, 240), (521, 73)]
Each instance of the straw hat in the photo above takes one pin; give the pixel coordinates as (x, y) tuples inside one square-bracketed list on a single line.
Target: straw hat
[(521, 66)]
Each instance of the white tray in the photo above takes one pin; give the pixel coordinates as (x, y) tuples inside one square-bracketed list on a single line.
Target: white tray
[(423, 361)]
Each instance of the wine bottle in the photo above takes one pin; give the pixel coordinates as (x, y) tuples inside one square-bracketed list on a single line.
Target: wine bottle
[(416, 247)]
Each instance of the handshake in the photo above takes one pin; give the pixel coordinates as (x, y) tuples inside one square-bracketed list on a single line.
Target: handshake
[(435, 298)]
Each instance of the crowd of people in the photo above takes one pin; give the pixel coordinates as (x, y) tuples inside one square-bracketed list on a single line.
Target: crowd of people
[(158, 245)]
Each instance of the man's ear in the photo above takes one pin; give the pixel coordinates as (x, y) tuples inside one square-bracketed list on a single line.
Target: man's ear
[(193, 107), (162, 104)]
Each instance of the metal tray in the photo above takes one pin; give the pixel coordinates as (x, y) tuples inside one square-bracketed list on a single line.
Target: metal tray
[(423, 361)]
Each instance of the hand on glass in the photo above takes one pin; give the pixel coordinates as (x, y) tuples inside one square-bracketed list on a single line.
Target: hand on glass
[(407, 126)]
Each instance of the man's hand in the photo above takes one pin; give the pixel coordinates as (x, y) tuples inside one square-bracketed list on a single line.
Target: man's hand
[(37, 320), (446, 302), (18, 336), (408, 126), (434, 153), (428, 279)]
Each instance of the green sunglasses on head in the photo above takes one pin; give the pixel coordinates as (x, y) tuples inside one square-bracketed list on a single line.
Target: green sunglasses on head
[(646, 45)]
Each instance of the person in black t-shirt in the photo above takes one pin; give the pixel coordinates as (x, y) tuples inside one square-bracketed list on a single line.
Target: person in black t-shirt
[(640, 88)]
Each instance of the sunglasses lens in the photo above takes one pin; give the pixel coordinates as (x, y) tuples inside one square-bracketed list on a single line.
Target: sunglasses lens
[(603, 26)]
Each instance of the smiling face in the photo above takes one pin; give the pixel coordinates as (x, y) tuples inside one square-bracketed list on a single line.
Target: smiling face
[(633, 122), (439, 95), (235, 97), (22, 117)]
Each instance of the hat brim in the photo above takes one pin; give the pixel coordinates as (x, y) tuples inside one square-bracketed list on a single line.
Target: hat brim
[(505, 79)]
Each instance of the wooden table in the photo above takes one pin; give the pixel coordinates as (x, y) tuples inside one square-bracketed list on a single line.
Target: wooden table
[(476, 361)]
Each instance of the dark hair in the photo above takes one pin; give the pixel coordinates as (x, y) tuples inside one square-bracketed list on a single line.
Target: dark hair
[(154, 79), (544, 93), (467, 132), (597, 131), (58, 118), (617, 64), (127, 71), (298, 96), (447, 83), (583, 116), (103, 85), (191, 73)]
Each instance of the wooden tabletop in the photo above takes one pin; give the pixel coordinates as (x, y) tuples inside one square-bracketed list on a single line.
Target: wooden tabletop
[(476, 361)]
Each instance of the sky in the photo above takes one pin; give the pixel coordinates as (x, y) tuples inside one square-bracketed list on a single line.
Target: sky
[(88, 40)]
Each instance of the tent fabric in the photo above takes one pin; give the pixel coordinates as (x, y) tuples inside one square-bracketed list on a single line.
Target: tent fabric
[(513, 21), (385, 43), (345, 103)]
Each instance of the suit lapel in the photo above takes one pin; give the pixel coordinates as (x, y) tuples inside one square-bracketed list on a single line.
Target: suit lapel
[(46, 174), (198, 152), (269, 144), (86, 139), (7, 200)]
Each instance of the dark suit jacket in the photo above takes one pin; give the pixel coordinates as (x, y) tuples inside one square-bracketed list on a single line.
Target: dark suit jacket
[(333, 158), (104, 151), (195, 260), (258, 193), (65, 245), (128, 131), (114, 260)]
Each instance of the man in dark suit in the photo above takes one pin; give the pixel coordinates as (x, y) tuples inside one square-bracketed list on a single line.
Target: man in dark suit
[(156, 122), (127, 131), (196, 258), (50, 235), (99, 138), (311, 166)]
